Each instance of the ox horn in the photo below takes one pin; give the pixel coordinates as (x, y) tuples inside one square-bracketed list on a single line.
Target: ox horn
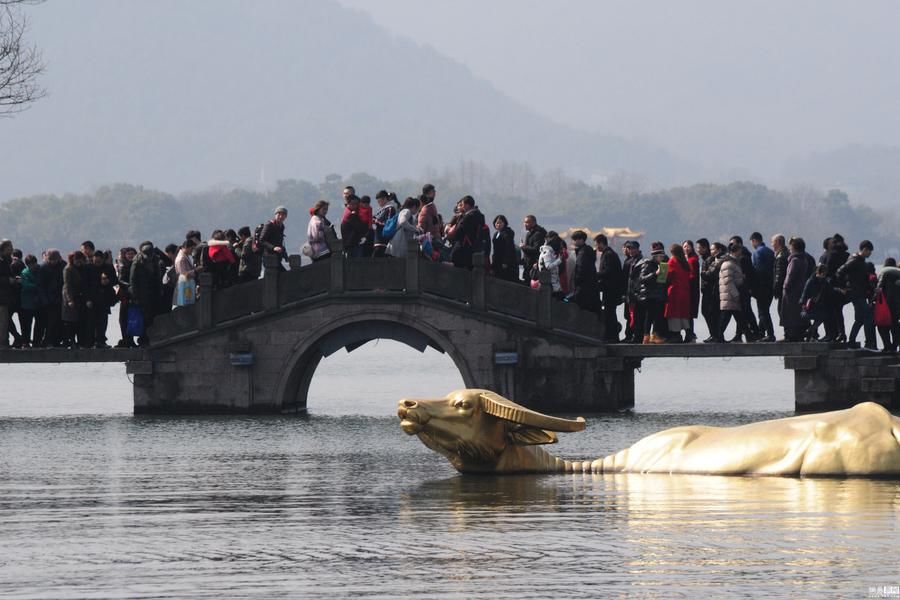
[(498, 406)]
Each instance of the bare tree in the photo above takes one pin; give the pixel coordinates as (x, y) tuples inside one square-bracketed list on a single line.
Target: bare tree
[(21, 64)]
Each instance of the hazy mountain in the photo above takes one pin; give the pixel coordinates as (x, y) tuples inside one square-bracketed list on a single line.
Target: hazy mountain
[(180, 95), (869, 174)]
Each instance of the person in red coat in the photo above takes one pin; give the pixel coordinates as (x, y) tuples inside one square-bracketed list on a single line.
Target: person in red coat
[(678, 300), (694, 261)]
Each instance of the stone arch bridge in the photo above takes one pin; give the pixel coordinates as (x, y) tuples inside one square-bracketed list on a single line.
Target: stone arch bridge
[(255, 347)]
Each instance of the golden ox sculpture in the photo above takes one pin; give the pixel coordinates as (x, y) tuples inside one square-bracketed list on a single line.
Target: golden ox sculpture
[(479, 431)]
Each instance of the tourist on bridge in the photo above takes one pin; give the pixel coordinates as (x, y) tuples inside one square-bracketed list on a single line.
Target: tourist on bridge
[(75, 301), (30, 302), (365, 214), (535, 236), (186, 284), (406, 229), (779, 269), (731, 279), (763, 259), (7, 281), (467, 234), (798, 268), (271, 239), (694, 262), (817, 302), (835, 256), (651, 297), (854, 278), (585, 292), (504, 258), (353, 229), (123, 271), (427, 218), (317, 231), (250, 263), (549, 260), (102, 294), (709, 275), (745, 260), (889, 286), (677, 309), (632, 276), (387, 208), (51, 282), (611, 287), (146, 287)]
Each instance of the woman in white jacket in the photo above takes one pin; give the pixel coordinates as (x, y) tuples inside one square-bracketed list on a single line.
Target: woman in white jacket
[(406, 229), (549, 260), (315, 232)]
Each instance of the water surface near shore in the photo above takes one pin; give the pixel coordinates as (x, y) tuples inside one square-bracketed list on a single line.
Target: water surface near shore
[(95, 502)]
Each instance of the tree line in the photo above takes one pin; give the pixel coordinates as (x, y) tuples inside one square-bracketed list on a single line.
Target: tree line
[(124, 214)]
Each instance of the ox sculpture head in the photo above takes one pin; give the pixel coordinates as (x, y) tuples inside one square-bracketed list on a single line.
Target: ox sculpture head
[(479, 431)]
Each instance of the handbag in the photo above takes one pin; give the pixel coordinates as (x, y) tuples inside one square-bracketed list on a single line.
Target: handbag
[(881, 311), (135, 324), (186, 291)]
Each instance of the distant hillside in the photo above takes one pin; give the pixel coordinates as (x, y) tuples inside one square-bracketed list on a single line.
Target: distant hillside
[(186, 95), (870, 174)]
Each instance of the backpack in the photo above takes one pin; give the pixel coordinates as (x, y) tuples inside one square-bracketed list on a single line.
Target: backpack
[(390, 228), (257, 237)]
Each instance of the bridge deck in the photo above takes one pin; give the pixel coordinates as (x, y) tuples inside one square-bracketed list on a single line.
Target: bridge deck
[(78, 355), (121, 355)]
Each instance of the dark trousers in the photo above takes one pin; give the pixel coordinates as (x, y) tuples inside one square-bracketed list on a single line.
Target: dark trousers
[(890, 336), (86, 327), (747, 310), (862, 319), (610, 319), (648, 317), (26, 318), (764, 308), (739, 318), (123, 324), (40, 326), (710, 310), (55, 334), (101, 321)]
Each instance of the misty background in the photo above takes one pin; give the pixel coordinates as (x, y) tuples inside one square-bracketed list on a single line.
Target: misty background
[(678, 119)]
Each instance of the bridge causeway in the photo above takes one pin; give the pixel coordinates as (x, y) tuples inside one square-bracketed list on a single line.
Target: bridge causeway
[(255, 347)]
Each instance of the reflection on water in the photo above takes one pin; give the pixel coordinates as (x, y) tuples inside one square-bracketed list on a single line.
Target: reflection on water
[(342, 503)]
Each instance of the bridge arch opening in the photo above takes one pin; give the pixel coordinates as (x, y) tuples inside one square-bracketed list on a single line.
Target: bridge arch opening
[(371, 358)]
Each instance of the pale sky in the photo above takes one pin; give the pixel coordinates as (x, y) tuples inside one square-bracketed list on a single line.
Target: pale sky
[(745, 83)]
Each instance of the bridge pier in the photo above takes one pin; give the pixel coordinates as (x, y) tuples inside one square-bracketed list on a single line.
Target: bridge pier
[(842, 378)]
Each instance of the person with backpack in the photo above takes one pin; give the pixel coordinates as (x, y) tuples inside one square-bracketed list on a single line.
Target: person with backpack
[(271, 235), (250, 264), (387, 212), (535, 236), (405, 229)]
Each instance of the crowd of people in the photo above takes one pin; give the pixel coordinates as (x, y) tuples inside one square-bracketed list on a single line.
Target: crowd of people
[(67, 303)]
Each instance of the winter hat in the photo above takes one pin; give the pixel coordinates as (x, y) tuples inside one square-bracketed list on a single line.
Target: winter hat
[(657, 249), (281, 209)]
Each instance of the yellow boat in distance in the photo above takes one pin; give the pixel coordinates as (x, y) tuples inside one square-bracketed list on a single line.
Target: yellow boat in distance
[(616, 236)]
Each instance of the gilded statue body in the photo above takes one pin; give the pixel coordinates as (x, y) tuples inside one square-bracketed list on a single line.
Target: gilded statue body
[(479, 431)]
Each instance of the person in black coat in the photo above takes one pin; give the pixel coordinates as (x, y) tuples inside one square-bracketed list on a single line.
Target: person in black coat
[(584, 280), (853, 276), (467, 234), (746, 289), (103, 294), (146, 286), (535, 237), (504, 262), (610, 287), (51, 285), (271, 238), (353, 229)]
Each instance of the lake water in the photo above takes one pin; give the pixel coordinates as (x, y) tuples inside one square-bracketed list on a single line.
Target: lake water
[(97, 503)]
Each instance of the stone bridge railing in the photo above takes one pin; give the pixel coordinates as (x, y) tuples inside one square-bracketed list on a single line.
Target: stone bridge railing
[(387, 280)]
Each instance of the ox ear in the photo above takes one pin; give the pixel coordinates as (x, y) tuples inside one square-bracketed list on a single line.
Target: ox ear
[(500, 407), (522, 435)]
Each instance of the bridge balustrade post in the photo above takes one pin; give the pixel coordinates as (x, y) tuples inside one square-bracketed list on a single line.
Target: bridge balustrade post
[(545, 302), (272, 265), (204, 302), (479, 282), (336, 264), (412, 266)]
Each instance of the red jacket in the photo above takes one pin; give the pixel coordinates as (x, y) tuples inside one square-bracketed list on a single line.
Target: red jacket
[(678, 302)]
